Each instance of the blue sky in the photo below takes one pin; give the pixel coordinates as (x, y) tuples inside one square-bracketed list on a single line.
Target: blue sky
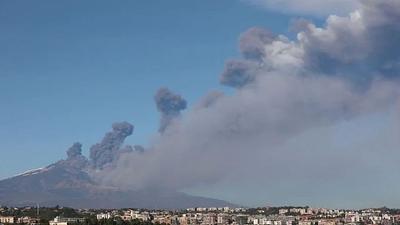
[(69, 69)]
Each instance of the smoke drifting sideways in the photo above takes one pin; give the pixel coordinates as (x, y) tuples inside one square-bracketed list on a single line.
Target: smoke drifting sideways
[(284, 88)]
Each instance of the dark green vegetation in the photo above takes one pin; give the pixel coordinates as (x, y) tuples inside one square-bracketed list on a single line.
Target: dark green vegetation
[(45, 213)]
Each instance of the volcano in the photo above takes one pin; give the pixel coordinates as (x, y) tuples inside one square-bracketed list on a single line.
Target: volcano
[(59, 184), (70, 182)]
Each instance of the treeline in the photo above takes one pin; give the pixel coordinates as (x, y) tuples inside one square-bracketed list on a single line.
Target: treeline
[(45, 213)]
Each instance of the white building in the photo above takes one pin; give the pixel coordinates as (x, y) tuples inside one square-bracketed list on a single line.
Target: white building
[(65, 221), (283, 211), (7, 219), (145, 216), (222, 218), (104, 216)]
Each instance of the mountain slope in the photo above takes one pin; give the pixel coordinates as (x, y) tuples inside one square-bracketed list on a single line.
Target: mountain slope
[(59, 184), (69, 183)]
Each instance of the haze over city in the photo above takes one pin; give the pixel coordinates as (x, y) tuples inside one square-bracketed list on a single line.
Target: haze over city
[(242, 103)]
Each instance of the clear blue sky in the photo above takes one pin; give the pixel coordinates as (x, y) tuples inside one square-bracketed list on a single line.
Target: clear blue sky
[(69, 69)]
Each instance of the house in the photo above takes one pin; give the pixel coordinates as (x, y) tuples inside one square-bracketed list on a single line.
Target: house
[(66, 221), (104, 216), (7, 219), (28, 220)]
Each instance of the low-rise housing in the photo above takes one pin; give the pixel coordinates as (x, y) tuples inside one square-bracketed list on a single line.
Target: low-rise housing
[(65, 221), (7, 219), (102, 216)]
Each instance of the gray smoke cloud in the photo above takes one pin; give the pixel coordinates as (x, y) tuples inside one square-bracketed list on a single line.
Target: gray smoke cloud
[(252, 42), (130, 149), (238, 73), (109, 148), (75, 150), (285, 91), (139, 148), (209, 99), (169, 105), (365, 41), (75, 160)]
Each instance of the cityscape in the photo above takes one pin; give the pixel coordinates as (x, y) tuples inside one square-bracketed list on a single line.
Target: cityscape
[(201, 216)]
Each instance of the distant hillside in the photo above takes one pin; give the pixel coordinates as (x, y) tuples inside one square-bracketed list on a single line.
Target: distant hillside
[(59, 184)]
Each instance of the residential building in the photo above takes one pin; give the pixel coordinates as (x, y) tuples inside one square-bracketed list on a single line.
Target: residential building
[(65, 221), (7, 219)]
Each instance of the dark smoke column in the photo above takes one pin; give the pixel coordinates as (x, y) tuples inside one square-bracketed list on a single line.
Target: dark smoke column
[(75, 159), (108, 149), (75, 150), (169, 105)]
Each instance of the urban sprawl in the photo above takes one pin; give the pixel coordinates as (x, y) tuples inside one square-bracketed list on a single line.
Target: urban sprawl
[(200, 216)]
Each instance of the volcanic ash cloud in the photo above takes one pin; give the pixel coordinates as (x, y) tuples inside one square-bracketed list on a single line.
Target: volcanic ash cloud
[(283, 88)]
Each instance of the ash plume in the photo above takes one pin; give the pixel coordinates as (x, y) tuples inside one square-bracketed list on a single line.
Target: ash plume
[(75, 150), (108, 149), (209, 99), (285, 91), (75, 160), (130, 149), (238, 73), (139, 148), (169, 105), (253, 41)]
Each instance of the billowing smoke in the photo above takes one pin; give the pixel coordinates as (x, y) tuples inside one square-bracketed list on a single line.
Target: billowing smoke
[(238, 73), (75, 150), (75, 160), (252, 42), (285, 89), (109, 148), (169, 105)]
